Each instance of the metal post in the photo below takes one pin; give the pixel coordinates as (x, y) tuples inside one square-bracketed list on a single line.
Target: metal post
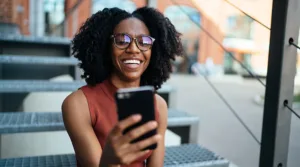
[(0, 146), (37, 20), (280, 83)]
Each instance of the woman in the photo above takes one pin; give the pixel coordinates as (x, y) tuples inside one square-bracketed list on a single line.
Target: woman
[(119, 50)]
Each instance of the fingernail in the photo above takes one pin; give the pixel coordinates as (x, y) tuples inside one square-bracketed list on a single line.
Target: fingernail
[(137, 116), (153, 123)]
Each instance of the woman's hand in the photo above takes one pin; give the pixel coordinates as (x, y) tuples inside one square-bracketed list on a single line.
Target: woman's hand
[(119, 151)]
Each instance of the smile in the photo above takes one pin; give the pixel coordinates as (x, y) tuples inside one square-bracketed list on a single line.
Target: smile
[(131, 64), (132, 61)]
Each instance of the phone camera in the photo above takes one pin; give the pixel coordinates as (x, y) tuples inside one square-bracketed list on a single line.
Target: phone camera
[(127, 95), (121, 96)]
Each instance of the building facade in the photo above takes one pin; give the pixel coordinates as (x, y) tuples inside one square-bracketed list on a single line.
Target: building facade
[(238, 34)]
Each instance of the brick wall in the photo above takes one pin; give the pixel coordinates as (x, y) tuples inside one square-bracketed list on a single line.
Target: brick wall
[(16, 12), (140, 3), (207, 47), (77, 17), (6, 11)]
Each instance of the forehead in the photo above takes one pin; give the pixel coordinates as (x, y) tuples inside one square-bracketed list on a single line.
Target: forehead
[(132, 26)]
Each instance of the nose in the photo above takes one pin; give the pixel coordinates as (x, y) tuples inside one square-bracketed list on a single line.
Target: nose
[(133, 48)]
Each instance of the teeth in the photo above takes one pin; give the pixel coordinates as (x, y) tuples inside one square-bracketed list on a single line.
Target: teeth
[(132, 62)]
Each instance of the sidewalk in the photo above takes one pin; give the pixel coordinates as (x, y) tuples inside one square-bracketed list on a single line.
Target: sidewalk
[(220, 131)]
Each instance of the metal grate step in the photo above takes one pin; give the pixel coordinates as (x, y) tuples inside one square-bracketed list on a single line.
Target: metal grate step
[(190, 155), (26, 86), (17, 122), (44, 60)]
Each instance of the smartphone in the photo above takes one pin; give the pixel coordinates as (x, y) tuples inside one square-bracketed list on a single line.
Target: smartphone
[(138, 100)]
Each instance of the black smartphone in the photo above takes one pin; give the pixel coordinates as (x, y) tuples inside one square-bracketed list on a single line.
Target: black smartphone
[(139, 100)]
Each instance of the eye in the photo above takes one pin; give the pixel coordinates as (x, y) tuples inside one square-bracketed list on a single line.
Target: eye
[(145, 41), (122, 39)]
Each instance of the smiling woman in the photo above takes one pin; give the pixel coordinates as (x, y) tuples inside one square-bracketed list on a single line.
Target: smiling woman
[(117, 50), (131, 54)]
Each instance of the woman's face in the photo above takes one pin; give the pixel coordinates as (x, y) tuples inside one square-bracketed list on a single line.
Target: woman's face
[(131, 57)]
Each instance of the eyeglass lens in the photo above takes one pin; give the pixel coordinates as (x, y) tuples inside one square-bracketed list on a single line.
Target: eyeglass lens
[(123, 41)]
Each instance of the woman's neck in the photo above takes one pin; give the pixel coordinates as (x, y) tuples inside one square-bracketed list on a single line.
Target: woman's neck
[(119, 83)]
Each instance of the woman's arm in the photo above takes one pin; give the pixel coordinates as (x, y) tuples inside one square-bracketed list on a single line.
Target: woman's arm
[(117, 149), (157, 157), (77, 121)]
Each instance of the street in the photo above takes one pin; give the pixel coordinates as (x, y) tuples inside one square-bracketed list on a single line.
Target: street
[(220, 131)]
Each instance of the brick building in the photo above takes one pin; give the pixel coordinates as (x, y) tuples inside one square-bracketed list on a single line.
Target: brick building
[(86, 9), (15, 12), (243, 37)]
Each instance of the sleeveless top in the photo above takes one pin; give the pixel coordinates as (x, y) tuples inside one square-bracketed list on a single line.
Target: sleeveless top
[(103, 112)]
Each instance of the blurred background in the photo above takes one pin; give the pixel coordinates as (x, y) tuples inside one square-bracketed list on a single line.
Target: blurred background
[(209, 81)]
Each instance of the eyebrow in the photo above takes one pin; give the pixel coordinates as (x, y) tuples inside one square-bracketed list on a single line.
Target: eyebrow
[(123, 33)]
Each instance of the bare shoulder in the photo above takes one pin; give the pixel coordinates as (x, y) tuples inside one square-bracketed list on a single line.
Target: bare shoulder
[(75, 97), (75, 105), (160, 101), (74, 100)]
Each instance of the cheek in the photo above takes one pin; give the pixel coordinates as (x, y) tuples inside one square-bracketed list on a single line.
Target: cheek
[(148, 56), (115, 54)]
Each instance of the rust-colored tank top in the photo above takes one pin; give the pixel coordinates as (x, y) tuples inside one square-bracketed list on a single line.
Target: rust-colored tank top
[(103, 113)]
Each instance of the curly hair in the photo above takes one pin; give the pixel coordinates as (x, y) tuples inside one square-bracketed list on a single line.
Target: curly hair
[(92, 45)]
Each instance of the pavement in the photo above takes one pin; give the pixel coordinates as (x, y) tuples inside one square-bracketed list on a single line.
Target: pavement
[(220, 131)]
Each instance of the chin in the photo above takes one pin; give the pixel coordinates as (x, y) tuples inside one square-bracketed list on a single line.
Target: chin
[(132, 77)]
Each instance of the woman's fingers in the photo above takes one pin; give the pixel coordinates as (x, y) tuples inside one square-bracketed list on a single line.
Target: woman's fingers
[(126, 151), (122, 125), (127, 160), (139, 131), (144, 143)]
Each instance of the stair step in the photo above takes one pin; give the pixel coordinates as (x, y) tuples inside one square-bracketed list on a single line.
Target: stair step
[(26, 86), (21, 122), (45, 60), (33, 39), (187, 155)]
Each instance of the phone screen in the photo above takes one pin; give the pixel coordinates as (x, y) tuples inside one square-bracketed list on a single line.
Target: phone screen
[(137, 101)]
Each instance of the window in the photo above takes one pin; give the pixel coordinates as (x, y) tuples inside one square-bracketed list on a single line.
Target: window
[(124, 4), (239, 27), (183, 17), (54, 15)]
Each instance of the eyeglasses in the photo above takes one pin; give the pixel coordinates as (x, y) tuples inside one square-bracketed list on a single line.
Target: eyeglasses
[(143, 42)]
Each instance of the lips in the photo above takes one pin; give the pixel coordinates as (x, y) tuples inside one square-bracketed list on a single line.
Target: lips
[(131, 64)]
